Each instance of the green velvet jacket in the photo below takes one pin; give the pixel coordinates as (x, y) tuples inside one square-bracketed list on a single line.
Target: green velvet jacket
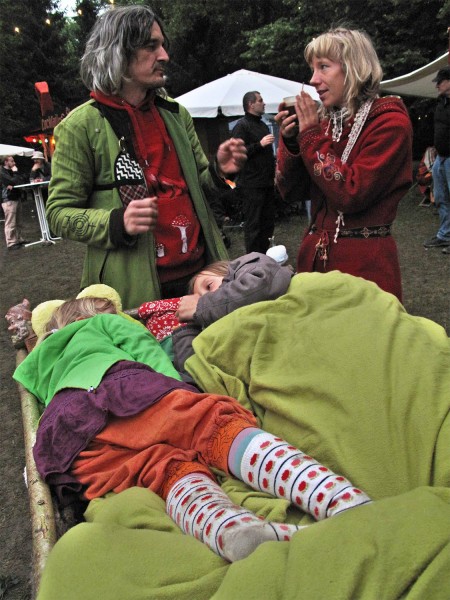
[(85, 153)]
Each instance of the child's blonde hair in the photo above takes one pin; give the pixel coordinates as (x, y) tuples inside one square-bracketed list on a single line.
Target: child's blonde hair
[(78, 308), (219, 267)]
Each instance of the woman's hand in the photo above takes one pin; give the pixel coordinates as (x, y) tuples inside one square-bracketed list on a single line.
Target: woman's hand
[(306, 110), (287, 123), (305, 116), (141, 216)]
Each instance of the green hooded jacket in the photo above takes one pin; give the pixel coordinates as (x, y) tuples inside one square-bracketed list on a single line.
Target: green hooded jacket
[(85, 154)]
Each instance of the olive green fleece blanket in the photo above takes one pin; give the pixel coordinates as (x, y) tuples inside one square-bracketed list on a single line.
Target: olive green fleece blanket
[(339, 369)]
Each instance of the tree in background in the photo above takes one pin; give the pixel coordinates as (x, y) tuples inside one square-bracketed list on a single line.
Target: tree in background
[(208, 39), (77, 30), (32, 48), (39, 43), (406, 33)]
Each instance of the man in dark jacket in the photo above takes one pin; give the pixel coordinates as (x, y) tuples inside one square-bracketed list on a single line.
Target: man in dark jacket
[(10, 177), (256, 181), (441, 166)]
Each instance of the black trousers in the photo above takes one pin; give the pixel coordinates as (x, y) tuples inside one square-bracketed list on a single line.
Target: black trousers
[(258, 209)]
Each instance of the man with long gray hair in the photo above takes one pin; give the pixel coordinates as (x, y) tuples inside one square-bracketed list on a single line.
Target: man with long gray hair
[(129, 174)]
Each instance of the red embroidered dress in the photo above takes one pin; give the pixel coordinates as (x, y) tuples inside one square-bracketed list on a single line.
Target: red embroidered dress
[(366, 190)]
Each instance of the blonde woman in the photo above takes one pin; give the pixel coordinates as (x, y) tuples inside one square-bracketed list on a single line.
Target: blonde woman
[(356, 150)]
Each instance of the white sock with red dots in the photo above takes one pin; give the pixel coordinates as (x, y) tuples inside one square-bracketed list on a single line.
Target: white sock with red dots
[(202, 509), (270, 464)]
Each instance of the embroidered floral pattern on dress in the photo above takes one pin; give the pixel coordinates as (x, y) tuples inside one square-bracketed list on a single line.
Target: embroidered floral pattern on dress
[(327, 167)]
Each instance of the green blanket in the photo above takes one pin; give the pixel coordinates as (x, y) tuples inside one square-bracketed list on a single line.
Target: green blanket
[(339, 369)]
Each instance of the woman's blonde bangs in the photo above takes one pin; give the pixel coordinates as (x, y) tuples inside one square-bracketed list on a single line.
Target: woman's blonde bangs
[(324, 46)]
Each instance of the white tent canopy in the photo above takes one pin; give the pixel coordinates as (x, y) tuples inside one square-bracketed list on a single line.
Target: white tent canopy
[(8, 150), (225, 95), (418, 82)]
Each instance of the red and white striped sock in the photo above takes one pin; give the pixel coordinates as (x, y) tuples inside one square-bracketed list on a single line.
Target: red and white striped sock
[(201, 508), (271, 465)]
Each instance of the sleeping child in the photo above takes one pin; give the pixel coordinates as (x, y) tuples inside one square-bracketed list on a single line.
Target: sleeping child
[(217, 290), (116, 416)]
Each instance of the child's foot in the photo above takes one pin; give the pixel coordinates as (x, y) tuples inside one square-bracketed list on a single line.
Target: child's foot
[(238, 542)]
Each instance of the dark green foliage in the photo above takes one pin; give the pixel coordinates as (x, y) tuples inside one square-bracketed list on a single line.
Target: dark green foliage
[(46, 46), (32, 52), (208, 39)]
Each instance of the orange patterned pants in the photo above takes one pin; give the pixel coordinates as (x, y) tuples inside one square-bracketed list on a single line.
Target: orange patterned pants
[(185, 432)]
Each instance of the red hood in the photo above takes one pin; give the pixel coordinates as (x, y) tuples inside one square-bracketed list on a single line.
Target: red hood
[(118, 102)]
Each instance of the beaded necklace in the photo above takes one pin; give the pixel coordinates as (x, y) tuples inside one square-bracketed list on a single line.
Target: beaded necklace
[(337, 118), (358, 124)]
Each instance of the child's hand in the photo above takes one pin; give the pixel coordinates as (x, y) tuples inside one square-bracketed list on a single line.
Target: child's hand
[(187, 308)]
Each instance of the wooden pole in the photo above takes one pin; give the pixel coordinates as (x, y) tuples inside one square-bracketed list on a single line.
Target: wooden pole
[(43, 524)]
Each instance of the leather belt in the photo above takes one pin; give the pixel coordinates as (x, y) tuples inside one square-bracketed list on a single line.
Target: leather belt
[(366, 232)]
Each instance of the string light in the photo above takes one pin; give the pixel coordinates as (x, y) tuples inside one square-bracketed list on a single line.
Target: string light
[(16, 30)]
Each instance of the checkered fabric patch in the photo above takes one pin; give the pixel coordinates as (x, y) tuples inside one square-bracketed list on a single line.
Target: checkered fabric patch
[(129, 172)]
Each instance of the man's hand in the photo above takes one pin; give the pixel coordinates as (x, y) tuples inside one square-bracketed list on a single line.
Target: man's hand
[(141, 216), (267, 140), (231, 156), (187, 307)]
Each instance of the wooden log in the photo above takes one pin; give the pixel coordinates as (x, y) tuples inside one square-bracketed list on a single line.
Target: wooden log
[(43, 524)]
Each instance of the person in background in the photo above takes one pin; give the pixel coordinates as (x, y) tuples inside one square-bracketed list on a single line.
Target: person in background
[(357, 152), (424, 176), (128, 171), (441, 165), (107, 374), (41, 170), (10, 177), (256, 181)]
